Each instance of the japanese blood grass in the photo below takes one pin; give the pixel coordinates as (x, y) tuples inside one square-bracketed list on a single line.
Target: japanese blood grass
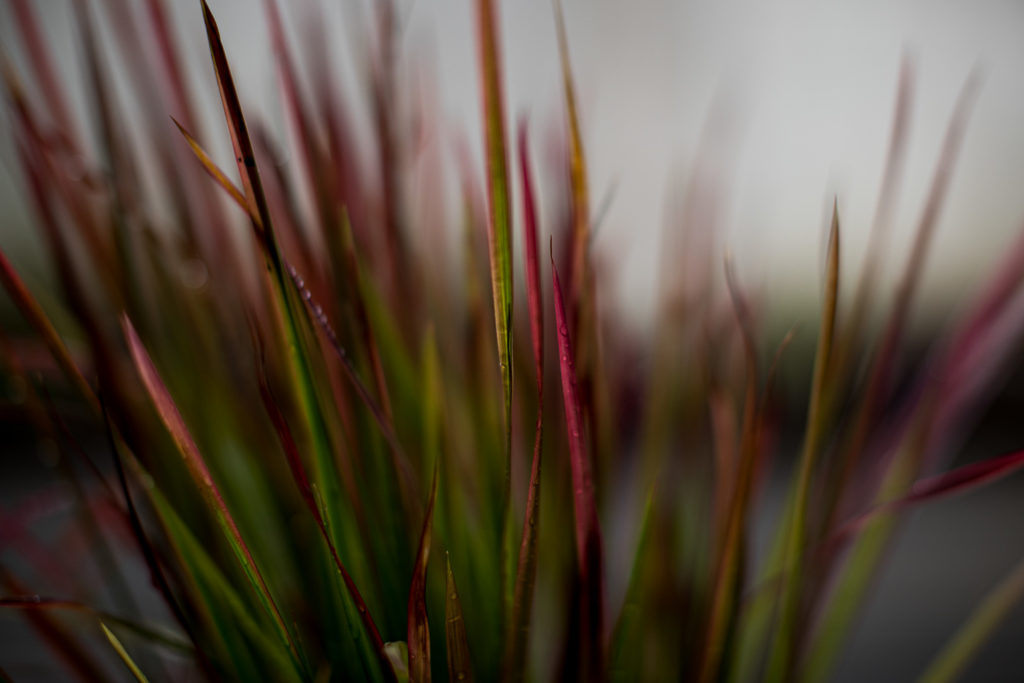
[(298, 432)]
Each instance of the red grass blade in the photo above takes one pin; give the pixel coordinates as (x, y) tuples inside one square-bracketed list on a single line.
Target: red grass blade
[(589, 551), (947, 484), (534, 292), (526, 569)]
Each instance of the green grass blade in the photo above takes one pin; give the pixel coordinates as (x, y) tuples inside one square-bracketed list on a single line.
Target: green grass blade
[(782, 659), (290, 298), (951, 662), (459, 665), (499, 240), (216, 595), (500, 211), (307, 492), (625, 657), (175, 425)]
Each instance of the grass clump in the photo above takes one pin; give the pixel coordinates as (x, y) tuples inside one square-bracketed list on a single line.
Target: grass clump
[(329, 469)]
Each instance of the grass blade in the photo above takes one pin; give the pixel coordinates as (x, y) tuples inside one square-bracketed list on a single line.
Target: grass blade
[(782, 659), (123, 654), (499, 240), (589, 552), (418, 637), (36, 317), (291, 299), (947, 484), (152, 634), (218, 175), (63, 641), (382, 415), (500, 210), (156, 574), (855, 577), (308, 494), (577, 172), (624, 658), (459, 666), (730, 560), (951, 662), (169, 415), (534, 292), (526, 568)]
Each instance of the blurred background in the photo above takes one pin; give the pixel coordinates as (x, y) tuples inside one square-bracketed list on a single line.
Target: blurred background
[(775, 108)]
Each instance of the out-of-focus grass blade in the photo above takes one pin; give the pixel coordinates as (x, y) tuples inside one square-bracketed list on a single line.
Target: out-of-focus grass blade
[(459, 664), (624, 652), (883, 362), (783, 655), (577, 170), (855, 577), (353, 271), (46, 73), (149, 633), (168, 412), (961, 480), (58, 169), (589, 551), (123, 654), (951, 662), (298, 471), (63, 643), (534, 293), (34, 314), (854, 324), (123, 187), (730, 551), (418, 637), (517, 637)]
